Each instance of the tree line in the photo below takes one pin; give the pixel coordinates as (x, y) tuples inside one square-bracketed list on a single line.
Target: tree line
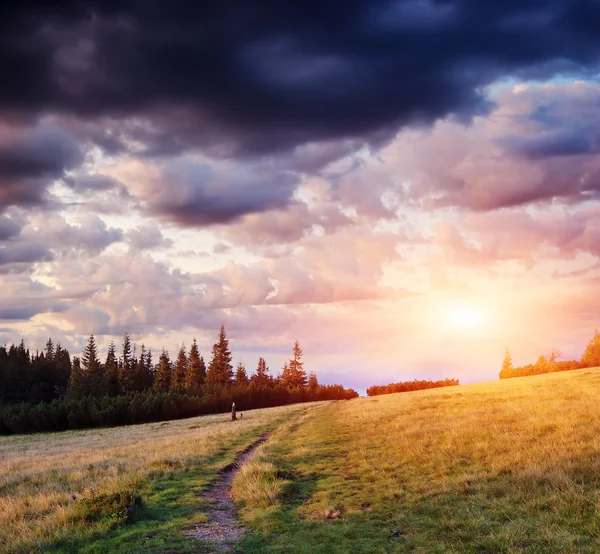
[(407, 386), (49, 390), (551, 363)]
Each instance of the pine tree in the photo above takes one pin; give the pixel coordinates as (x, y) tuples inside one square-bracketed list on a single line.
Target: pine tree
[(286, 378), (313, 383), (181, 369), (76, 380), (111, 370), (507, 364), (127, 366), (261, 377), (50, 350), (591, 356), (220, 370), (297, 373), (92, 369), (241, 377), (162, 379), (196, 373)]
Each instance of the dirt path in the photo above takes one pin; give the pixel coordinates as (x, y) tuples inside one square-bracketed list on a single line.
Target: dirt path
[(223, 529)]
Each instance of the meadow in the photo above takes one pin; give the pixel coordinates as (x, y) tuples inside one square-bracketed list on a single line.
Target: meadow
[(506, 466), (509, 466), (52, 484)]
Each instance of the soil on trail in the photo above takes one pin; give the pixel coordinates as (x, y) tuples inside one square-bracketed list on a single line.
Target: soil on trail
[(223, 529)]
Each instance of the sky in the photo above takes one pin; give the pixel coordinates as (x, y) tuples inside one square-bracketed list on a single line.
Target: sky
[(406, 187)]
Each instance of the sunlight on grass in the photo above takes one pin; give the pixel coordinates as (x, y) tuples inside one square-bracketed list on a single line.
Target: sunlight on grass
[(506, 466), (45, 479)]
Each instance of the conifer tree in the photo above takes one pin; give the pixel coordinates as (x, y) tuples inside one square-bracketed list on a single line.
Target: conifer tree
[(162, 379), (507, 364), (50, 350), (76, 380), (286, 378), (241, 377), (220, 370), (297, 374), (111, 371), (92, 369), (261, 377), (181, 369), (128, 366), (591, 356), (196, 373), (313, 383)]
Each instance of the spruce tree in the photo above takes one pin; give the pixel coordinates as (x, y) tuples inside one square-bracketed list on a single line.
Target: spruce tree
[(313, 383), (111, 370), (297, 373), (196, 373), (50, 350), (128, 366), (591, 356), (507, 364), (261, 377), (181, 369), (92, 369), (241, 377), (162, 379), (220, 370)]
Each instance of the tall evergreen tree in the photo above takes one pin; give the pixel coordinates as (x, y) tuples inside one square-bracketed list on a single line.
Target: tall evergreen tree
[(507, 363), (196, 373), (162, 379), (181, 369), (297, 375), (128, 366), (77, 382), (92, 369), (220, 370), (591, 356), (241, 377), (261, 377), (49, 352), (111, 371), (313, 382)]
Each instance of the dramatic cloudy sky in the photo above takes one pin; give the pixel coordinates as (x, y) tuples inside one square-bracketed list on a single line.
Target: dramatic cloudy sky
[(406, 186)]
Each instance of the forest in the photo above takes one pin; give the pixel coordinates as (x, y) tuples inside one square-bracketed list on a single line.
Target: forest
[(551, 363), (407, 386), (50, 391)]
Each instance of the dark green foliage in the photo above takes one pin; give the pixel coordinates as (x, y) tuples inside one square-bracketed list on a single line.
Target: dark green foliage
[(293, 374), (47, 392), (220, 370), (407, 386)]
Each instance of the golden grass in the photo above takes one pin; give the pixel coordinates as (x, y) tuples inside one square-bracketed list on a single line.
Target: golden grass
[(506, 466), (39, 473)]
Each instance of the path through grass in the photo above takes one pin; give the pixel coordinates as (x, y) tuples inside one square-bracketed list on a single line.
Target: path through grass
[(509, 466)]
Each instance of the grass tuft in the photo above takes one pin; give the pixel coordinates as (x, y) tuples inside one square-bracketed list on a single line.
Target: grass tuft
[(257, 484)]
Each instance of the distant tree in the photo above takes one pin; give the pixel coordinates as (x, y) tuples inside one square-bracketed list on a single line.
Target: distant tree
[(128, 366), (111, 371), (555, 354), (93, 371), (293, 375), (313, 382), (507, 361), (261, 377), (142, 374), (196, 373), (49, 352), (220, 370), (162, 379), (77, 384), (241, 377), (181, 369), (591, 355)]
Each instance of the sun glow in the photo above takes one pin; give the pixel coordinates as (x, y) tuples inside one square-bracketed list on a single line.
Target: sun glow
[(465, 318)]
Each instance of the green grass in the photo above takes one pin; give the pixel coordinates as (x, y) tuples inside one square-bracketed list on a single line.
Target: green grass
[(168, 465), (508, 466)]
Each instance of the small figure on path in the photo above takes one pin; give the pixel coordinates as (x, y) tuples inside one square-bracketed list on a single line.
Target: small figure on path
[(233, 418)]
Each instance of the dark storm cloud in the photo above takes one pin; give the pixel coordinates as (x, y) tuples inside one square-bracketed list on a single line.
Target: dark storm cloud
[(195, 194), (31, 158), (258, 76), (9, 228)]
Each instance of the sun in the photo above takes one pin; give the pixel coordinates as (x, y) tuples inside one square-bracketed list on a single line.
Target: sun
[(465, 318)]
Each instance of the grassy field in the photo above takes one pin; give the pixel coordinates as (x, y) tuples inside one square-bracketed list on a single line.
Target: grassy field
[(507, 466), (72, 491)]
